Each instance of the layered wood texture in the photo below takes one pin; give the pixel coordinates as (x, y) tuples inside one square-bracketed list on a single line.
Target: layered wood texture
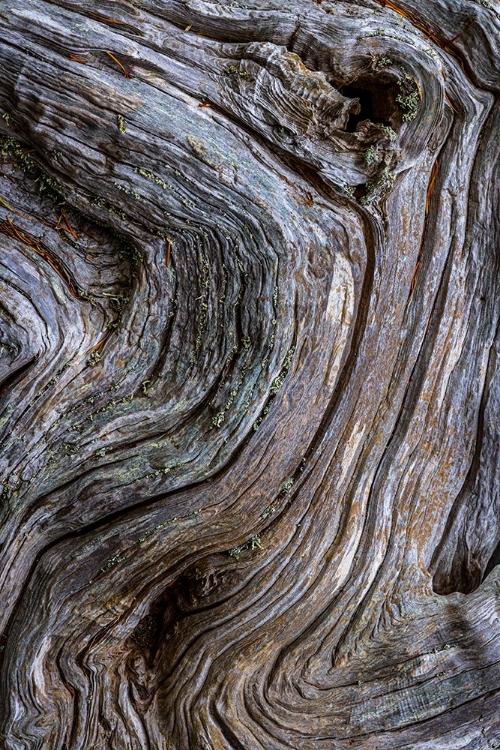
[(249, 374)]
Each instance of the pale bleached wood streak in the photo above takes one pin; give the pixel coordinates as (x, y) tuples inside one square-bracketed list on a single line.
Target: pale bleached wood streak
[(249, 375)]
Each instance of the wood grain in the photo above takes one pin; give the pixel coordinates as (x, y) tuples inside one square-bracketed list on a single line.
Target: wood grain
[(249, 375)]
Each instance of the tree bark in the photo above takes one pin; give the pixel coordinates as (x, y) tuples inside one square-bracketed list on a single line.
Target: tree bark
[(249, 369)]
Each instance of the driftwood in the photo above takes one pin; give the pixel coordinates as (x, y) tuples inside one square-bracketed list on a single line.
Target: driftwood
[(249, 369)]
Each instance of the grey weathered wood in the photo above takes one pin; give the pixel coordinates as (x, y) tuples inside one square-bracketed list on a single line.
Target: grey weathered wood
[(249, 375)]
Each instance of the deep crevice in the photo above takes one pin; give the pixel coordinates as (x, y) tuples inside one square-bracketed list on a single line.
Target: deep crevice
[(377, 102), (492, 562)]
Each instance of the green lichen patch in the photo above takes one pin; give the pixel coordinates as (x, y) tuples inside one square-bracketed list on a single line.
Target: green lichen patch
[(390, 133), (251, 544), (152, 177), (408, 97), (267, 512), (287, 485), (278, 382), (378, 188), (370, 157)]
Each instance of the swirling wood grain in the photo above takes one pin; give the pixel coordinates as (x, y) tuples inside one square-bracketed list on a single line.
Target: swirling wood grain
[(249, 373)]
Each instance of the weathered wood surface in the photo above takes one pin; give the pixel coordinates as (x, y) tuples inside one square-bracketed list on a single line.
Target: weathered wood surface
[(250, 377)]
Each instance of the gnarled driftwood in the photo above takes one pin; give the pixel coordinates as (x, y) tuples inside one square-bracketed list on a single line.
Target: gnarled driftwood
[(249, 373)]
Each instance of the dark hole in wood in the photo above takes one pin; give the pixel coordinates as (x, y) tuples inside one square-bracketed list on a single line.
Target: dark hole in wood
[(366, 106), (493, 561), (377, 101), (360, 191)]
